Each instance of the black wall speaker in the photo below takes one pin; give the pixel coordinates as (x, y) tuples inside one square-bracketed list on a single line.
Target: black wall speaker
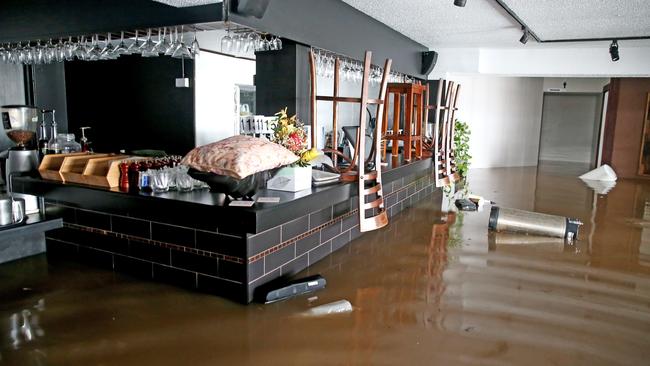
[(429, 59)]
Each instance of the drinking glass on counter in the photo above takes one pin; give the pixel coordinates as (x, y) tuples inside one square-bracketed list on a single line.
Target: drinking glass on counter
[(158, 175), (184, 183), (160, 180)]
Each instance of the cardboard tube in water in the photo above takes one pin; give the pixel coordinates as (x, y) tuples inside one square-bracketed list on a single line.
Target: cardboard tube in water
[(533, 223)]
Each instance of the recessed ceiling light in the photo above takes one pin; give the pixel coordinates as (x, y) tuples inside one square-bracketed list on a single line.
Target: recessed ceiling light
[(524, 37)]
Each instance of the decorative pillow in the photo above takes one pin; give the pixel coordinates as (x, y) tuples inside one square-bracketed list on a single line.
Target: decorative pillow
[(239, 156)]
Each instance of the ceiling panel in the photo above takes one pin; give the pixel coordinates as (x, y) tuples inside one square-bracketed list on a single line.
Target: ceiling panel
[(483, 23), (440, 23), (561, 19)]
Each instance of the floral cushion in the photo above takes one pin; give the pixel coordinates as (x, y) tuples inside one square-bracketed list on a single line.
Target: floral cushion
[(239, 156)]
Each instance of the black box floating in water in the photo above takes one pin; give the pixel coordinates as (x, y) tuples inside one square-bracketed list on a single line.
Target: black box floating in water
[(282, 289), (465, 205)]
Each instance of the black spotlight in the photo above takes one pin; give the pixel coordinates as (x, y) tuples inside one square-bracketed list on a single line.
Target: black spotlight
[(613, 50), (460, 3), (524, 37)]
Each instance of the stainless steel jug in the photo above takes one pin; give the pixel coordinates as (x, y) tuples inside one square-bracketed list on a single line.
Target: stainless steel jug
[(12, 210)]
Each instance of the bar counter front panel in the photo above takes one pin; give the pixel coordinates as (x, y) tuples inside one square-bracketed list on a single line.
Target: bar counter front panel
[(196, 241)]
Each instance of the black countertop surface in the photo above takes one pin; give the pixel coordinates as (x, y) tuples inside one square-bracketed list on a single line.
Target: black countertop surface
[(202, 207)]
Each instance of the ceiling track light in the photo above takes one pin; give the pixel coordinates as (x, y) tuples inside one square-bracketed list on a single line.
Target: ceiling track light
[(524, 37), (613, 50), (460, 3)]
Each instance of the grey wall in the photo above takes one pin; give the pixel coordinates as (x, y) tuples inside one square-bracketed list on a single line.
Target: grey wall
[(50, 92), (569, 129), (338, 27), (12, 91)]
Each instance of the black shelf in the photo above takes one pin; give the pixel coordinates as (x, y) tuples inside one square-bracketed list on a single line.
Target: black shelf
[(35, 223)]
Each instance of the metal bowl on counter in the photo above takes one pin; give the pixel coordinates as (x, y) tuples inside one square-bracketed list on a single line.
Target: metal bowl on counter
[(236, 188)]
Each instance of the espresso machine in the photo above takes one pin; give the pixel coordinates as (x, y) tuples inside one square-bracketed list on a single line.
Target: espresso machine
[(20, 123)]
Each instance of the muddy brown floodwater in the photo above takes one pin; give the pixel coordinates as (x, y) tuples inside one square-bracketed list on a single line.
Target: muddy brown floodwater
[(432, 288)]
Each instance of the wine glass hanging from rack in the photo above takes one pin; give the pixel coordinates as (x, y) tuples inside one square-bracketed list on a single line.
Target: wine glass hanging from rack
[(243, 41), (351, 70), (153, 42)]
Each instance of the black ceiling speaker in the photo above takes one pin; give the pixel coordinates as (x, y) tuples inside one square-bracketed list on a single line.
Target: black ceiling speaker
[(460, 3), (524, 37), (613, 51), (250, 8), (429, 59)]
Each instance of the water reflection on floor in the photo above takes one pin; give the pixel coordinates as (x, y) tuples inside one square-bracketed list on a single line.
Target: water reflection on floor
[(432, 288)]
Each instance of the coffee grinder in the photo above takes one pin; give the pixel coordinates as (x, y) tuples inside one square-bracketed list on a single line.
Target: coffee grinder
[(20, 123)]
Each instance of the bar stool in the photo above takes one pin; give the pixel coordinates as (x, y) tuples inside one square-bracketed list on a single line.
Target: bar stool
[(414, 107)]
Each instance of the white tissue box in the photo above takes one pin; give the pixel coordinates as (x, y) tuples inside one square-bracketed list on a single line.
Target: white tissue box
[(291, 179)]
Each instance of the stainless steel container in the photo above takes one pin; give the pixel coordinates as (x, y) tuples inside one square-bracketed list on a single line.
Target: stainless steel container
[(12, 211), (20, 122), (533, 223)]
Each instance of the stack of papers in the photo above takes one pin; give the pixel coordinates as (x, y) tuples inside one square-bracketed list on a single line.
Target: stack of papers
[(319, 178)]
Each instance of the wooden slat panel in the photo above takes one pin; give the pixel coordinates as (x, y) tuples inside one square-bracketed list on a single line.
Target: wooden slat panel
[(374, 223), (376, 203), (372, 190)]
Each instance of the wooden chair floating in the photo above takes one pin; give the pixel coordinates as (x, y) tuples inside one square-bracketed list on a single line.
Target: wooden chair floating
[(442, 141), (367, 172)]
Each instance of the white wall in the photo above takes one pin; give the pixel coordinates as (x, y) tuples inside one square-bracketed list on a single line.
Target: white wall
[(575, 85), (504, 114), (565, 60), (215, 108)]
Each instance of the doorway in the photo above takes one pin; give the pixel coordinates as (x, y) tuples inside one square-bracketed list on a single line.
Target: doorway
[(570, 129)]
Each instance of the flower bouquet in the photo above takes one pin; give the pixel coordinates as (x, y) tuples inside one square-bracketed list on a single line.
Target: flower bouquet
[(290, 133)]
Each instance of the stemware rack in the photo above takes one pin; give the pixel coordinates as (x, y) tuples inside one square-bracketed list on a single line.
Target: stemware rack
[(324, 61), (169, 40)]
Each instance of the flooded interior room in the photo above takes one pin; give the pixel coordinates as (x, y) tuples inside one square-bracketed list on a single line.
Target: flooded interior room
[(324, 182)]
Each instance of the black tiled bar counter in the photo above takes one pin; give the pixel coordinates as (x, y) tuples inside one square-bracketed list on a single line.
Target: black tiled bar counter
[(194, 240)]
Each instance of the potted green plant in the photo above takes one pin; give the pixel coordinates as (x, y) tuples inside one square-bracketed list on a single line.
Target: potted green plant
[(461, 148)]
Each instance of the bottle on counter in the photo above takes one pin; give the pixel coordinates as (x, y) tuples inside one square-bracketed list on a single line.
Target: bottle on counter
[(68, 144), (42, 136), (144, 179), (134, 176), (53, 146), (85, 144), (124, 176)]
